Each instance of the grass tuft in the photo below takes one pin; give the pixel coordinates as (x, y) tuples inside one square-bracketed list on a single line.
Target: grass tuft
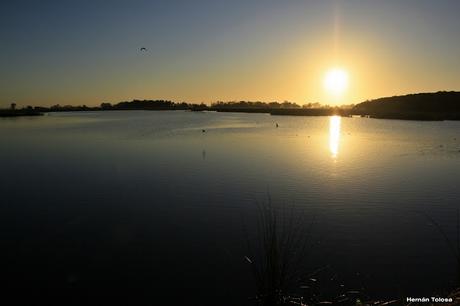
[(278, 254)]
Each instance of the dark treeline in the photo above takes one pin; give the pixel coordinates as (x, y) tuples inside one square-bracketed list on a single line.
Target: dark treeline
[(14, 112), (250, 104), (148, 105), (442, 105), (128, 105), (164, 105), (322, 111), (423, 106), (125, 105)]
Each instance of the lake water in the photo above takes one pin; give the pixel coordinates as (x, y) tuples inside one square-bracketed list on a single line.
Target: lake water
[(131, 207)]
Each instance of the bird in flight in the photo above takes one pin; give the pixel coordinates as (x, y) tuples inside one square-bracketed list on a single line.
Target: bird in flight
[(144, 49)]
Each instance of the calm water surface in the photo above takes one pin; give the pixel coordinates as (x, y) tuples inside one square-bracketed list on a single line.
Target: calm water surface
[(129, 206)]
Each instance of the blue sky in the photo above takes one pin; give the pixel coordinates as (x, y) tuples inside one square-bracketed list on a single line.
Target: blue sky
[(87, 52)]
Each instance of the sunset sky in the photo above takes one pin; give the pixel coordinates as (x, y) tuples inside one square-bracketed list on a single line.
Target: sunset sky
[(88, 52)]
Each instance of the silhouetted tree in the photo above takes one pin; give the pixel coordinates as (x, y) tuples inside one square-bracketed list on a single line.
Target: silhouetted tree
[(106, 105)]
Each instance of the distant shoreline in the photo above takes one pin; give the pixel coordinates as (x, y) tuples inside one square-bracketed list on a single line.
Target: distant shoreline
[(437, 106), (19, 113), (278, 112)]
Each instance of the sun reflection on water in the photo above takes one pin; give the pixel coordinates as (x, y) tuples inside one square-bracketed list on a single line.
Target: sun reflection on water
[(334, 135)]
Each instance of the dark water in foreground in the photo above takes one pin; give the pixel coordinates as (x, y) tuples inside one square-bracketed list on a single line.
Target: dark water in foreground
[(133, 207)]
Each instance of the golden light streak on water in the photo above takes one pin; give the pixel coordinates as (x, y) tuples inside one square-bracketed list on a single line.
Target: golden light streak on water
[(334, 135)]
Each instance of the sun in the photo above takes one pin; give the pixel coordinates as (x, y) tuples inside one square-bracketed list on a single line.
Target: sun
[(336, 81)]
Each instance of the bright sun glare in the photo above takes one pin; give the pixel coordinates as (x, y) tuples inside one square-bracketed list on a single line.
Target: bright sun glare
[(336, 81)]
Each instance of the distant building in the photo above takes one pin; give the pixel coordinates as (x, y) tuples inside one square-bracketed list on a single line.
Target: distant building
[(13, 106)]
